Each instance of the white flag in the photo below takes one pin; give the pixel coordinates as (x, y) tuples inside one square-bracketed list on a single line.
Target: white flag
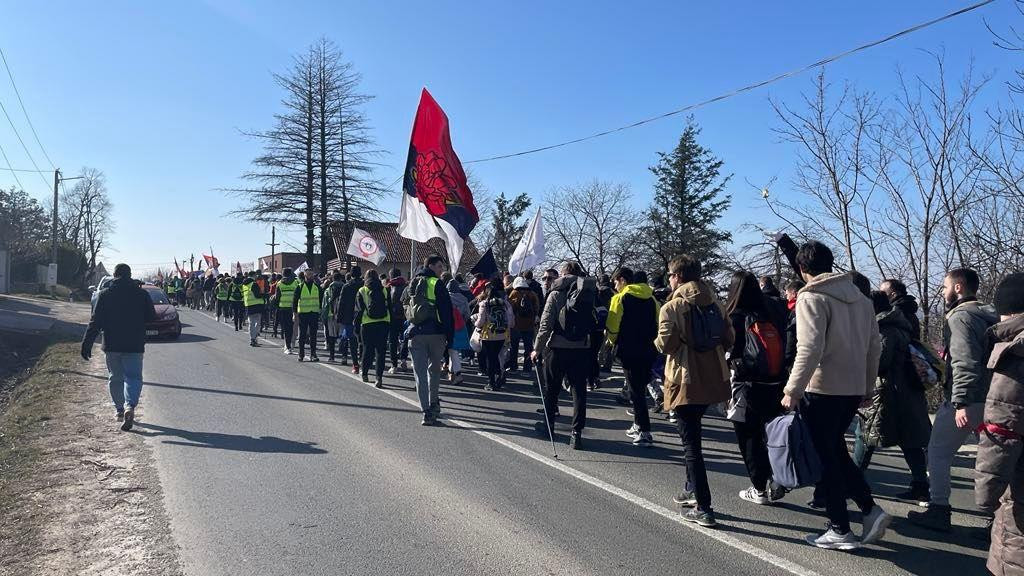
[(263, 264), (364, 246), (302, 267), (530, 251)]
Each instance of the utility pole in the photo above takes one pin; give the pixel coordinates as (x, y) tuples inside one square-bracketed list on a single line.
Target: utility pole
[(272, 244), (53, 231)]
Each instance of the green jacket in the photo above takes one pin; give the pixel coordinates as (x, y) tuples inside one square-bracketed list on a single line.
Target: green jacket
[(967, 349)]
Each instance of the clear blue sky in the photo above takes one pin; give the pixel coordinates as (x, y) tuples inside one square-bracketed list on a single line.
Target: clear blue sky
[(154, 94)]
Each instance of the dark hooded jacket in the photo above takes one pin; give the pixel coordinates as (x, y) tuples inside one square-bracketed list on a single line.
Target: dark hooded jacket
[(346, 307), (121, 313), (907, 304), (899, 411), (999, 484), (395, 292)]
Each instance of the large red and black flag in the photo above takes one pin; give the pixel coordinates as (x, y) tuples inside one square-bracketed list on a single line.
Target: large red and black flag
[(437, 202)]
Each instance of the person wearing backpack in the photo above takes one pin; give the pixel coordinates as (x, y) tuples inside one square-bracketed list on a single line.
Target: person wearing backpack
[(632, 323), (397, 343), (563, 346), (898, 415), (525, 309), (999, 484), (349, 320), (460, 330), (693, 333), (374, 320), (428, 309), (757, 359), (330, 316), (493, 317), (838, 347), (967, 346)]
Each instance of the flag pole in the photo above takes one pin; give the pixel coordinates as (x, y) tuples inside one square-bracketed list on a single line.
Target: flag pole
[(412, 259)]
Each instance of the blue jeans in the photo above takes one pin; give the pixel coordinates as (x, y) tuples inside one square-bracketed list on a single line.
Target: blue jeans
[(125, 379)]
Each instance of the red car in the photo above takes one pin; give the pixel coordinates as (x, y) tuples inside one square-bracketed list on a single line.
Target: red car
[(167, 322)]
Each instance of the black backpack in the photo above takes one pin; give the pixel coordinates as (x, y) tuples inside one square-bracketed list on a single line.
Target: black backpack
[(496, 320), (764, 351), (578, 318), (377, 307), (707, 326), (395, 294)]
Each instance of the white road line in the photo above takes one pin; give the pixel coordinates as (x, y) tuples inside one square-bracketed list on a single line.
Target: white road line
[(672, 515)]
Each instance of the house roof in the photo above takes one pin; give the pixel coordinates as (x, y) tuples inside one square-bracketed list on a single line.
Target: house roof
[(397, 249)]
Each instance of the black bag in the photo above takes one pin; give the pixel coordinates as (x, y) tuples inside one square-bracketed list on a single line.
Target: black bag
[(578, 317), (524, 306), (764, 351), (395, 294), (496, 321), (377, 307), (707, 326)]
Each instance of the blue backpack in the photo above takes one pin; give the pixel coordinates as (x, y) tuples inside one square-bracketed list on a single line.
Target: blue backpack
[(791, 453)]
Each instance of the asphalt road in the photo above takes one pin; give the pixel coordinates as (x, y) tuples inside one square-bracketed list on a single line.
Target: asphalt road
[(270, 466)]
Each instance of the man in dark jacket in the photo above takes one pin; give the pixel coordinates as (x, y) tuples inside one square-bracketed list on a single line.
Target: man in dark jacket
[(121, 313), (967, 380), (429, 339), (563, 357), (349, 337), (633, 325), (896, 290), (397, 343)]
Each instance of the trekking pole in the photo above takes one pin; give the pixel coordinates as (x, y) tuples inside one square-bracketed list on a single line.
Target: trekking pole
[(544, 406)]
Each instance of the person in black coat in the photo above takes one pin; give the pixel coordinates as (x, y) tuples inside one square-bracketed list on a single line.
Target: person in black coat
[(896, 291), (121, 313), (349, 339)]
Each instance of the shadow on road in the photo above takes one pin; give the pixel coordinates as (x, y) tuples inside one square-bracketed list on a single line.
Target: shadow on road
[(183, 339), (273, 397), (236, 442)]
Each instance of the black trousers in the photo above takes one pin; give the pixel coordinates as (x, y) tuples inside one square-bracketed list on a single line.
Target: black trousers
[(571, 364), (375, 339), (638, 376), (492, 351), (221, 306), (763, 405), (526, 337), (398, 344), (594, 365), (827, 419), (238, 313), (309, 323), (690, 431), (287, 324)]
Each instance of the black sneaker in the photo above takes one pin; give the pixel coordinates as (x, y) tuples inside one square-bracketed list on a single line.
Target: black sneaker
[(776, 492), (314, 359), (301, 359), (576, 441), (938, 518), (541, 411), (379, 383), (918, 493), (120, 416), (129, 419), (488, 388), (435, 409), (429, 420), (705, 518)]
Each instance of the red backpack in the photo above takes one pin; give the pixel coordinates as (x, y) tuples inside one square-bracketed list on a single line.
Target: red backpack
[(764, 351)]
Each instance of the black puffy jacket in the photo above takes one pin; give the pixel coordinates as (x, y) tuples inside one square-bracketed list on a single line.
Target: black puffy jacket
[(121, 313)]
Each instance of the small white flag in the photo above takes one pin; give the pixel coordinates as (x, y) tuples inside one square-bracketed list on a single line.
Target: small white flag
[(366, 247), (302, 267), (530, 251), (263, 264)]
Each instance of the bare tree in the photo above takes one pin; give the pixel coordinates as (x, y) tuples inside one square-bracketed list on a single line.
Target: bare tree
[(318, 160), (86, 215), (592, 224)]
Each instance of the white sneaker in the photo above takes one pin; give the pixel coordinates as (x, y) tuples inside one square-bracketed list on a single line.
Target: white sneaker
[(286, 350), (832, 540), (644, 439), (752, 495), (875, 523), (633, 432), (393, 370)]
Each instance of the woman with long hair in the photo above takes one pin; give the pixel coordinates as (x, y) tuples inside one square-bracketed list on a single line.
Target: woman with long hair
[(757, 359), (372, 309)]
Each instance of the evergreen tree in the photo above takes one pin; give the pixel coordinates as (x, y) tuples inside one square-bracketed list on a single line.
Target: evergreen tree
[(509, 226), (689, 198)]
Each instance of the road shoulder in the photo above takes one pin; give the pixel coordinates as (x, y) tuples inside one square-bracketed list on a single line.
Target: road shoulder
[(77, 496)]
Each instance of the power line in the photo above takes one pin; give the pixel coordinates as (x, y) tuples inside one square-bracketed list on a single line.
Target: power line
[(23, 170), (23, 147), (748, 88), (13, 171), (24, 111)]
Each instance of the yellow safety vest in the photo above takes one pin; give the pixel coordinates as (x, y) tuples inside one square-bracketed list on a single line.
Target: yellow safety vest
[(364, 295), (236, 292), (248, 297), (286, 292), (309, 298), (170, 289), (223, 292)]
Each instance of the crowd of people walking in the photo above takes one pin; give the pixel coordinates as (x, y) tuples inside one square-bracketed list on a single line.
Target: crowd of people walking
[(846, 357)]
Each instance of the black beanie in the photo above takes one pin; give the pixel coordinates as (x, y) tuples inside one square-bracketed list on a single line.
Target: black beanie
[(1010, 295)]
